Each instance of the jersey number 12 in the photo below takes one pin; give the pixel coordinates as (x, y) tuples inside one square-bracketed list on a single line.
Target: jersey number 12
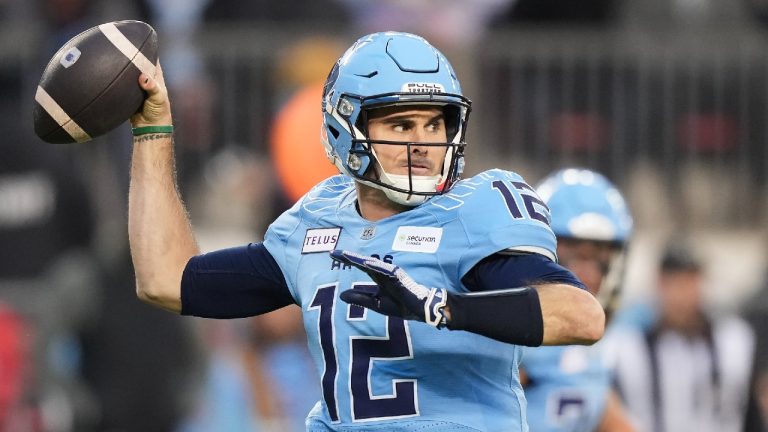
[(532, 203), (364, 350)]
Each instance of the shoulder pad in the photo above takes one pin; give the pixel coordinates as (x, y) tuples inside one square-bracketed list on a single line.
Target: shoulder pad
[(499, 212), (322, 201), (328, 193)]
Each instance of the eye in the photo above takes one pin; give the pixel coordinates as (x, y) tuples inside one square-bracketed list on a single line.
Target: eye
[(435, 126), (401, 126)]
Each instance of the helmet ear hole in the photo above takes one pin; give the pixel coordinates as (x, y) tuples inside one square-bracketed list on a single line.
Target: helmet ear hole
[(335, 132), (362, 122), (452, 114)]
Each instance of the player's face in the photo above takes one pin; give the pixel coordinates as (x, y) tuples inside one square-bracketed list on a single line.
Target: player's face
[(425, 124), (588, 260)]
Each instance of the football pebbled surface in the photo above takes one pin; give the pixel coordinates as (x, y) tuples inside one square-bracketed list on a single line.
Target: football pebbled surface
[(90, 86)]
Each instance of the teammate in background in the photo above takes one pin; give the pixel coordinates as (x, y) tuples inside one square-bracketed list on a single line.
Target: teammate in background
[(569, 387), (445, 255)]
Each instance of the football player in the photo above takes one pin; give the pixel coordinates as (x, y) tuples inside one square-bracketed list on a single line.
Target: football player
[(415, 286), (569, 387)]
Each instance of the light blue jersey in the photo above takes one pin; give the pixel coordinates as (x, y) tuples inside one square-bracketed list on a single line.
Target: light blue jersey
[(385, 374), (568, 387)]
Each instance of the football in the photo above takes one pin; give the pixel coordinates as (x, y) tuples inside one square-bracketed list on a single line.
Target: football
[(90, 86)]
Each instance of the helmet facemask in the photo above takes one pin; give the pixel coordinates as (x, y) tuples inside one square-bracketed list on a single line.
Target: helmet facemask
[(406, 189), (610, 291), (607, 257)]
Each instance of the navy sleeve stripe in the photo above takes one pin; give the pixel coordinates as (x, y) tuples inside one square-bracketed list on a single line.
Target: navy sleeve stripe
[(233, 283), (499, 272), (501, 292)]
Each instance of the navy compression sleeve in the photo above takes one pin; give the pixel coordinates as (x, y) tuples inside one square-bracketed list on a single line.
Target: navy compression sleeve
[(500, 271), (497, 310), (233, 283)]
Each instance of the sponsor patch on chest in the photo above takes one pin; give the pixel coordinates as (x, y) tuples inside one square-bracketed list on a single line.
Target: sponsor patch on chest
[(417, 239), (320, 240)]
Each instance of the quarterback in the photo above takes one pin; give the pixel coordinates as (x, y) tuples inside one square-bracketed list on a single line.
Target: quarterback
[(418, 288)]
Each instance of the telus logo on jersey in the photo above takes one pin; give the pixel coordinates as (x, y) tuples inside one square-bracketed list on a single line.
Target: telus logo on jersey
[(320, 240), (417, 239)]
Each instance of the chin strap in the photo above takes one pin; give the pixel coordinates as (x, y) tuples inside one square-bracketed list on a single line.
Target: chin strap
[(420, 184), (426, 184)]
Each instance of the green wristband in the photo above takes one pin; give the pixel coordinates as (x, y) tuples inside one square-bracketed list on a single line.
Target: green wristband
[(143, 130)]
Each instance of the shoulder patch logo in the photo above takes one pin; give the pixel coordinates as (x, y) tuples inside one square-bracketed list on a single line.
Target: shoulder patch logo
[(320, 240), (417, 239)]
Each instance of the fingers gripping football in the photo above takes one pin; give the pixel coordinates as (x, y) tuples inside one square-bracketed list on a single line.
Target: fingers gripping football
[(156, 110), (398, 294)]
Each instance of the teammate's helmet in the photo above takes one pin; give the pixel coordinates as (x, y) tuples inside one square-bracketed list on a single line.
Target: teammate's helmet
[(386, 69), (584, 205)]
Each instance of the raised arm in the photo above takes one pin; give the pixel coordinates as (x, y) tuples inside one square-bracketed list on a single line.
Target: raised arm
[(159, 230)]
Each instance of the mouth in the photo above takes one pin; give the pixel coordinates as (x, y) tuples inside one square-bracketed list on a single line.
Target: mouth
[(418, 168)]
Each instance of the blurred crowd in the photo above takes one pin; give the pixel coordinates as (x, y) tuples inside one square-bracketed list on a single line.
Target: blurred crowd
[(79, 352)]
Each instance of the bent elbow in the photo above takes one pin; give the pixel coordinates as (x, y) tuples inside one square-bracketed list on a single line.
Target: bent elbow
[(146, 295), (158, 298), (573, 316), (594, 329), (597, 329), (143, 294)]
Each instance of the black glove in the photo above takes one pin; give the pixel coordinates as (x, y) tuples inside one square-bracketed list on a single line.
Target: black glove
[(398, 294)]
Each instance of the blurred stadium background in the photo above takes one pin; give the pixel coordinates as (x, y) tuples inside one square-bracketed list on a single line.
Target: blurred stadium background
[(668, 98)]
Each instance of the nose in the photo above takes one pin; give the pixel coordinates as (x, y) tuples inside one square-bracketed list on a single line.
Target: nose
[(419, 136)]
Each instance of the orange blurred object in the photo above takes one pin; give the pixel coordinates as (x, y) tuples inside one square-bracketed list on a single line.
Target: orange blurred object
[(297, 153)]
